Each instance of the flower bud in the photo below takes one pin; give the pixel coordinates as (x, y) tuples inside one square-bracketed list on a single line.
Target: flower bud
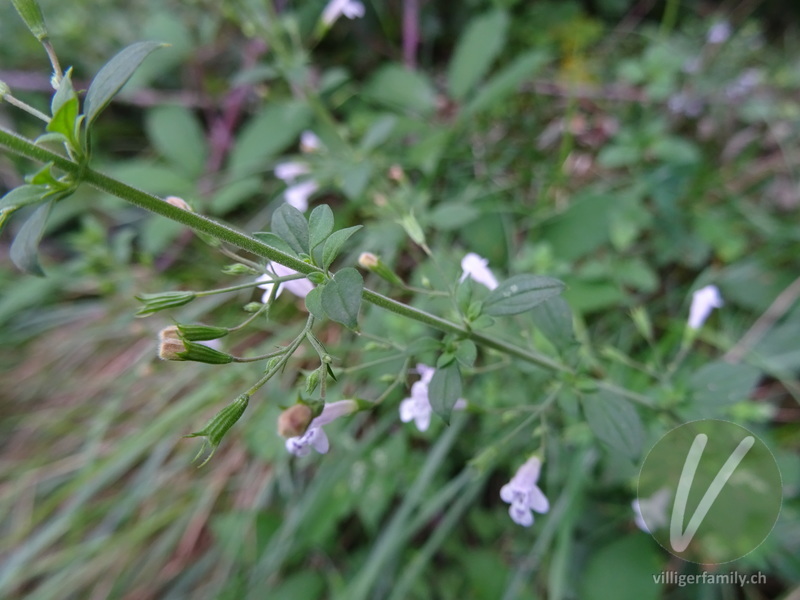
[(369, 261), (32, 15), (294, 420), (201, 333), (178, 203), (252, 307), (396, 173), (180, 348), (239, 269), (219, 424), (171, 349), (317, 278), (156, 302), (312, 381)]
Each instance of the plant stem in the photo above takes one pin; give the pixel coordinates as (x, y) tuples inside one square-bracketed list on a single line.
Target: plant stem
[(21, 146)]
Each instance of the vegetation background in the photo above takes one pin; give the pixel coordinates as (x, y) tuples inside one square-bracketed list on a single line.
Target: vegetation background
[(619, 146)]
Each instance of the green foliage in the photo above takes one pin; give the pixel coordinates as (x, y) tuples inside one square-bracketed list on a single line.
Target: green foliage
[(605, 174)]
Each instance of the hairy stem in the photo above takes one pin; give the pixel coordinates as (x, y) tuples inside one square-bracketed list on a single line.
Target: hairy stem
[(228, 234)]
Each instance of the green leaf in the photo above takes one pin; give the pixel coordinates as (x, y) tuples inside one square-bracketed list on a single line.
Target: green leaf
[(178, 136), (400, 88), (272, 240), (505, 83), (23, 195), (553, 318), (341, 297), (627, 566), (291, 226), (44, 176), (444, 390), (466, 353), (475, 52), (64, 93), (25, 247), (717, 385), (314, 302), (378, 133), (520, 293), (63, 122), (113, 76), (615, 422), (320, 225), (266, 135), (333, 245)]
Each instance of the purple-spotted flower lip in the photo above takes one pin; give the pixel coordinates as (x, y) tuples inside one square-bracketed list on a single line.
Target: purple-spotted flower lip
[(476, 268), (315, 437), (524, 495)]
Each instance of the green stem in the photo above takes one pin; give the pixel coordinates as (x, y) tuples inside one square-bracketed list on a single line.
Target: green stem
[(287, 353), (228, 234), (26, 107)]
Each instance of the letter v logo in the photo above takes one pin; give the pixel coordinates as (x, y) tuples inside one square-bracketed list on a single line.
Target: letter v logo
[(680, 540)]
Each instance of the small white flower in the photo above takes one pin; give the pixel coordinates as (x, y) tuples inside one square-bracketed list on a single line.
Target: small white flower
[(297, 195), (299, 287), (719, 33), (336, 8), (315, 437), (417, 407), (289, 171), (309, 142), (654, 509), (476, 268), (704, 301), (524, 495)]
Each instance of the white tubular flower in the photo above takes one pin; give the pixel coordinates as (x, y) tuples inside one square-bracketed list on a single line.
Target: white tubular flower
[(704, 301), (315, 436), (524, 495), (476, 268), (309, 142), (299, 287), (289, 171), (653, 509), (351, 9), (298, 194)]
